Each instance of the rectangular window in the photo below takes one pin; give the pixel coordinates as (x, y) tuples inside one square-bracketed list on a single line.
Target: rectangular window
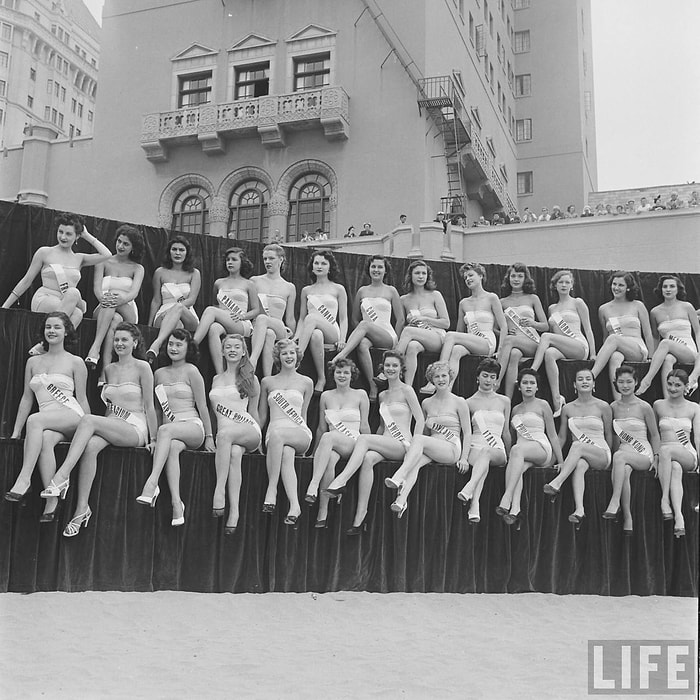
[(461, 9), (2, 117), (53, 28), (480, 41), (4, 58), (80, 110), (71, 131), (585, 63), (59, 63), (498, 45), (491, 25), (312, 72), (57, 89), (194, 90), (47, 114), (60, 120), (252, 81), (525, 182), (522, 42), (471, 28), (73, 105), (2, 88), (63, 94), (30, 101), (49, 87), (32, 74), (523, 85), (491, 75), (523, 129), (54, 115), (90, 115), (6, 32), (486, 10), (521, 4), (587, 102)]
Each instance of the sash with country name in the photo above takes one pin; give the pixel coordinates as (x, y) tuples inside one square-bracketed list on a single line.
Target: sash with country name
[(334, 421), (446, 432), (580, 435), (413, 314), (615, 326), (517, 320), (521, 428), (227, 301), (563, 326), (491, 439), (370, 311), (324, 311), (278, 399), (265, 302), (61, 278), (679, 339), (392, 428), (58, 395), (632, 441), (473, 326), (174, 291), (123, 414), (162, 397), (684, 439), (235, 416)]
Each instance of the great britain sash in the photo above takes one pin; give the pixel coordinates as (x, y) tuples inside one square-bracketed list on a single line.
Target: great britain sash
[(521, 428), (337, 424), (324, 311), (58, 395), (61, 278), (235, 416), (174, 291), (473, 326), (278, 399), (491, 439), (162, 397), (632, 441), (517, 320), (392, 428), (225, 300), (563, 326)]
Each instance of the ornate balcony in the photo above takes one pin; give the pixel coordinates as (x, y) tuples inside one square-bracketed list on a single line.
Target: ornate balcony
[(269, 116)]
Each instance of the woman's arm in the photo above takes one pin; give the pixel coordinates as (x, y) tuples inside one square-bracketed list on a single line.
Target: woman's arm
[(262, 402), (308, 392), (253, 398), (322, 426), (693, 318), (443, 319), (200, 400), (696, 429), (585, 317), (254, 305), (399, 314), (564, 426), (156, 301), (136, 283), (289, 319), (551, 432), (80, 382), (465, 422), (146, 379), (606, 415), (342, 315), (25, 403), (364, 413), (501, 322), (652, 431), (461, 325), (195, 287), (356, 315), (303, 310), (505, 432), (103, 252), (97, 277), (541, 324), (646, 327), (414, 405), (23, 285)]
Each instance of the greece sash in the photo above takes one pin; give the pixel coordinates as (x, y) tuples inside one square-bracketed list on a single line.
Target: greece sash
[(278, 399), (162, 397), (491, 439), (61, 278), (632, 441), (336, 423), (564, 327), (392, 428), (60, 396), (225, 300), (517, 320)]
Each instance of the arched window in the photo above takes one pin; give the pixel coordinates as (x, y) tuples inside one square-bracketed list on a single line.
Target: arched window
[(309, 206), (191, 211), (248, 218)]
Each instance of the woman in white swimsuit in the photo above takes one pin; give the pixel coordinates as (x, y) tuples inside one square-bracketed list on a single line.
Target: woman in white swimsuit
[(234, 399), (277, 297), (625, 321), (56, 378), (323, 314), (571, 337), (128, 422), (677, 418), (116, 283), (176, 287), (237, 306), (371, 313), (589, 422), (284, 399), (477, 316), (60, 270), (537, 444), (185, 421), (427, 320), (674, 322)]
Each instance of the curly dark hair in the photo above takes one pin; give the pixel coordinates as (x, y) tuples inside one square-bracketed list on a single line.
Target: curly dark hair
[(246, 265), (71, 334), (528, 372), (528, 284), (246, 372), (489, 365), (188, 263), (477, 267), (387, 267), (393, 353), (70, 220), (625, 369), (344, 362), (557, 276), (681, 296), (192, 355), (328, 255), (632, 292), (135, 238), (408, 281), (136, 334)]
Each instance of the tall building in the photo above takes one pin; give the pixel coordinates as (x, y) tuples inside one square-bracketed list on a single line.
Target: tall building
[(243, 118), (49, 53)]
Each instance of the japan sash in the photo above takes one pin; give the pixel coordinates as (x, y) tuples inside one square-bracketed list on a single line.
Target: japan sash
[(162, 397)]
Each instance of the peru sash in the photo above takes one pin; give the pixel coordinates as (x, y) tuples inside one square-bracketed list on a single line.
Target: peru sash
[(580, 435)]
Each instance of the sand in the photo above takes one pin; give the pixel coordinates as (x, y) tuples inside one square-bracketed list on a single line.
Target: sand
[(335, 645)]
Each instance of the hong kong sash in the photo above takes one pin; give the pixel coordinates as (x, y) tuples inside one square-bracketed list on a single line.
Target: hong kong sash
[(632, 441)]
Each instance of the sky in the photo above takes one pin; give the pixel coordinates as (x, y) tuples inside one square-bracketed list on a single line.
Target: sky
[(646, 62)]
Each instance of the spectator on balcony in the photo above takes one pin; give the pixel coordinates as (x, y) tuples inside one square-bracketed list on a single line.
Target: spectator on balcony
[(458, 220), (515, 218), (600, 209), (644, 206), (402, 219), (545, 215), (674, 202), (619, 210), (367, 230), (629, 207), (306, 237), (587, 211), (571, 212), (557, 213), (609, 210), (528, 216), (350, 233), (481, 223), (440, 219), (321, 235), (658, 205), (277, 238), (496, 220), (694, 200)]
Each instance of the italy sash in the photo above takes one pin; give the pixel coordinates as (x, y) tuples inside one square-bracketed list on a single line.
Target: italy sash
[(491, 439)]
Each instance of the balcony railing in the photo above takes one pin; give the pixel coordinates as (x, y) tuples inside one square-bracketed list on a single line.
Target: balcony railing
[(269, 116)]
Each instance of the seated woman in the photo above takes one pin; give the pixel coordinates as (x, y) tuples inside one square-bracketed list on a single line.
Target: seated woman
[(277, 297), (60, 270), (234, 397), (176, 287), (673, 324), (476, 317), (56, 378), (676, 417), (323, 314), (129, 420), (117, 283), (342, 418), (526, 320), (284, 398), (626, 323), (185, 423), (371, 314), (447, 418), (571, 337), (589, 421), (426, 317), (636, 444), (537, 445), (398, 407), (490, 443), (238, 305)]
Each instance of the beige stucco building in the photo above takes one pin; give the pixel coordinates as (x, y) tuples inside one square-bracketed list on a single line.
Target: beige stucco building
[(246, 119)]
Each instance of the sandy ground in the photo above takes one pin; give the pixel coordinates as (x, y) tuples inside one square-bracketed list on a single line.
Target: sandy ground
[(336, 645)]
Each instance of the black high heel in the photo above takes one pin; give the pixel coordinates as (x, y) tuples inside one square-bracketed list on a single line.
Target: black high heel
[(321, 524), (16, 497), (608, 515), (269, 508), (355, 530), (577, 520), (335, 493), (50, 517), (292, 521), (513, 520), (552, 491)]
